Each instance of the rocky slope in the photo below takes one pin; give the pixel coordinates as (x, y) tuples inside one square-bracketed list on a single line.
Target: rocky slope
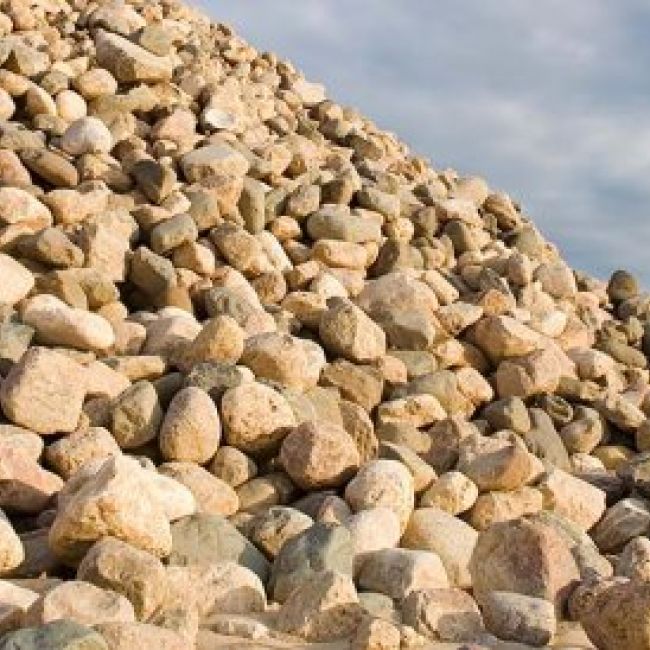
[(268, 380)]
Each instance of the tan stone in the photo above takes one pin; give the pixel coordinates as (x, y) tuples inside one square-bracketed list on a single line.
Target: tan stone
[(535, 373), (126, 636), (319, 455), (17, 281), (129, 62), (68, 454), (138, 576), (494, 463), (212, 495), (347, 332), (19, 206), (376, 634), (213, 160), (452, 492), (432, 529), (417, 410), (221, 339), (191, 430), (58, 324), (11, 548), (232, 466), (255, 417), (443, 614), (80, 602), (503, 337), (24, 485), (495, 507), (114, 501), (33, 396), (290, 361), (371, 530), (324, 608), (573, 498), (397, 572), (382, 483), (549, 572)]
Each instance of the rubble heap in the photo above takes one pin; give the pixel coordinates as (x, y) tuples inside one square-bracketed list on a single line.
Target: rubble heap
[(267, 379)]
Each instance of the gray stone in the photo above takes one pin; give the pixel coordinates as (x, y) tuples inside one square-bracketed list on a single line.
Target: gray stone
[(322, 547), (204, 539), (57, 635), (624, 520), (544, 441), (513, 617)]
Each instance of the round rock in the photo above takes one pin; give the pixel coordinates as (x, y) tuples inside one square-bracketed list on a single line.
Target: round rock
[(255, 418), (87, 135), (382, 483), (191, 429), (319, 455)]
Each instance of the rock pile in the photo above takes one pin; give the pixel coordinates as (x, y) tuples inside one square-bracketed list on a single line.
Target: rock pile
[(267, 379)]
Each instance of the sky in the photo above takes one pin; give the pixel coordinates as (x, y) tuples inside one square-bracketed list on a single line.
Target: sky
[(549, 100)]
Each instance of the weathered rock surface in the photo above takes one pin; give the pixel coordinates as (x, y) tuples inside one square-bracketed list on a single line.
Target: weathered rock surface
[(269, 380)]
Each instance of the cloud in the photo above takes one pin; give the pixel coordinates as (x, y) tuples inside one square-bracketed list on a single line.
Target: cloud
[(548, 100)]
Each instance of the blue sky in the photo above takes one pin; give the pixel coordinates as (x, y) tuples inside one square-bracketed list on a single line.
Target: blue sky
[(547, 99)]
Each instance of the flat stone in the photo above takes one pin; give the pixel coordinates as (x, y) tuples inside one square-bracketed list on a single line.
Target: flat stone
[(513, 617), (213, 160), (128, 62), (621, 522), (328, 223), (57, 635), (56, 323), (51, 167), (125, 636), (397, 572), (443, 614), (80, 602)]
